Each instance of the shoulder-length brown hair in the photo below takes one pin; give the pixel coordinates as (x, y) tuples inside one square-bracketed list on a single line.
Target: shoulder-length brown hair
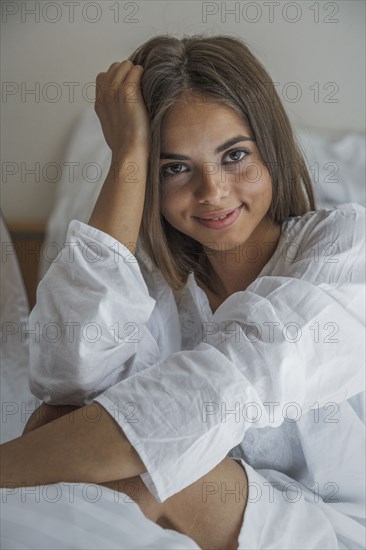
[(219, 68)]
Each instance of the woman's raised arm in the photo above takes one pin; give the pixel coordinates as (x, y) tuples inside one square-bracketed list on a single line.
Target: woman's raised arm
[(125, 123), (89, 326)]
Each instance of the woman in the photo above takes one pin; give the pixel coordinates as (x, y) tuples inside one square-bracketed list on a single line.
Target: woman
[(213, 362)]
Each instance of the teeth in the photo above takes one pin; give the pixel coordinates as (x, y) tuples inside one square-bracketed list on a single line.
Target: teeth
[(217, 219), (222, 218)]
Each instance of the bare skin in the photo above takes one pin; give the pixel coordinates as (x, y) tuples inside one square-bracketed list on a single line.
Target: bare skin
[(125, 124), (210, 511)]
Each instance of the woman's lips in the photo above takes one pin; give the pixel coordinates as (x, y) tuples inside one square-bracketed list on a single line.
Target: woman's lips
[(222, 224)]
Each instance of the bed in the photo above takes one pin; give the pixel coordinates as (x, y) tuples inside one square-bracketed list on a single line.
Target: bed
[(80, 515)]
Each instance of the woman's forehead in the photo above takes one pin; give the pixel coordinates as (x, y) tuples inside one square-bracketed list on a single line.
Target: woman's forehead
[(186, 120)]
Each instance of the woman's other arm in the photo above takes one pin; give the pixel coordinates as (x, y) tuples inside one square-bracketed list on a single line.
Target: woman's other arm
[(86, 445)]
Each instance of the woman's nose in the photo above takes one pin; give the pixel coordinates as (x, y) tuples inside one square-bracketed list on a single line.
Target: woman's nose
[(211, 186)]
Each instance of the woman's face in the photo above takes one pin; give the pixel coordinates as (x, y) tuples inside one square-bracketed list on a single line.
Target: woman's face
[(201, 173)]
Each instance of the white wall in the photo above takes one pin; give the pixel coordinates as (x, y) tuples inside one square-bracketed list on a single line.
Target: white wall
[(322, 50)]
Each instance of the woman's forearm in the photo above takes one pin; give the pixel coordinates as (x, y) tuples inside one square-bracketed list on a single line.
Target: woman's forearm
[(118, 210), (86, 445)]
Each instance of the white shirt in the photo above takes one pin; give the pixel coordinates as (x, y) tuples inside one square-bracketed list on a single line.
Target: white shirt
[(275, 377)]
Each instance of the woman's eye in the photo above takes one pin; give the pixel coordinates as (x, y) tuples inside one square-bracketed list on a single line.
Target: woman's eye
[(172, 170), (165, 173), (236, 152)]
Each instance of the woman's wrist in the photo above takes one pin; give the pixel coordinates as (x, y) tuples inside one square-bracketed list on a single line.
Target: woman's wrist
[(135, 149), (119, 207)]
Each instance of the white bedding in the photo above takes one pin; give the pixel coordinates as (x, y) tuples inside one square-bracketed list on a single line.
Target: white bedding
[(80, 516), (17, 402)]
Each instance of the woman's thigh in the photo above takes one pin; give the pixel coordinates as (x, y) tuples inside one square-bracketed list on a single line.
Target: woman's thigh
[(210, 511)]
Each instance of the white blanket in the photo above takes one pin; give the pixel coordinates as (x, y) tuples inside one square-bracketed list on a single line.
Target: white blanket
[(80, 515)]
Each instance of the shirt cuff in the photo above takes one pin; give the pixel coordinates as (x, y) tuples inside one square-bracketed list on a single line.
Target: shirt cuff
[(77, 228), (151, 478)]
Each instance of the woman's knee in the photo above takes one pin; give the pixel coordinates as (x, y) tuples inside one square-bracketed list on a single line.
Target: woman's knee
[(227, 481), (135, 490), (211, 510)]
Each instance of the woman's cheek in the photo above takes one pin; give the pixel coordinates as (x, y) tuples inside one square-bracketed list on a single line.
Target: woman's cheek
[(165, 196), (254, 172)]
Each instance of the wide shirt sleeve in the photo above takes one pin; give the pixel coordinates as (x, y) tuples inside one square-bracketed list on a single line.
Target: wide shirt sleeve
[(95, 321)]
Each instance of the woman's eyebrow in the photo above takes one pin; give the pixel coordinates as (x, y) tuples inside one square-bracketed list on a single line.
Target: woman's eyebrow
[(219, 149)]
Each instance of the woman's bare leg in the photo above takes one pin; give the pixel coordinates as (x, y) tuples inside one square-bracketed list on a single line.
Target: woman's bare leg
[(210, 511), (45, 414)]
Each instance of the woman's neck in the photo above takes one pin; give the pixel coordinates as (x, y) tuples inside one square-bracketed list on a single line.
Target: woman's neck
[(235, 270)]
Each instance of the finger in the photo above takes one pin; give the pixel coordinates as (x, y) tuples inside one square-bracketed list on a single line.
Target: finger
[(123, 70), (112, 80), (115, 64), (118, 74), (100, 77), (126, 85), (125, 66), (131, 80), (99, 81)]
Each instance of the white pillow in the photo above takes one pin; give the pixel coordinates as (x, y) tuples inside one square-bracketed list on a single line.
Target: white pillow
[(337, 167), (17, 402)]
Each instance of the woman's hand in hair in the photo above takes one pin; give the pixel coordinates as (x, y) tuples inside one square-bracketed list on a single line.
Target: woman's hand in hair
[(121, 108), (126, 126)]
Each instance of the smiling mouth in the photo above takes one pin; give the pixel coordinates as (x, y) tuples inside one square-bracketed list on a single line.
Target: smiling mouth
[(218, 216), (222, 221)]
